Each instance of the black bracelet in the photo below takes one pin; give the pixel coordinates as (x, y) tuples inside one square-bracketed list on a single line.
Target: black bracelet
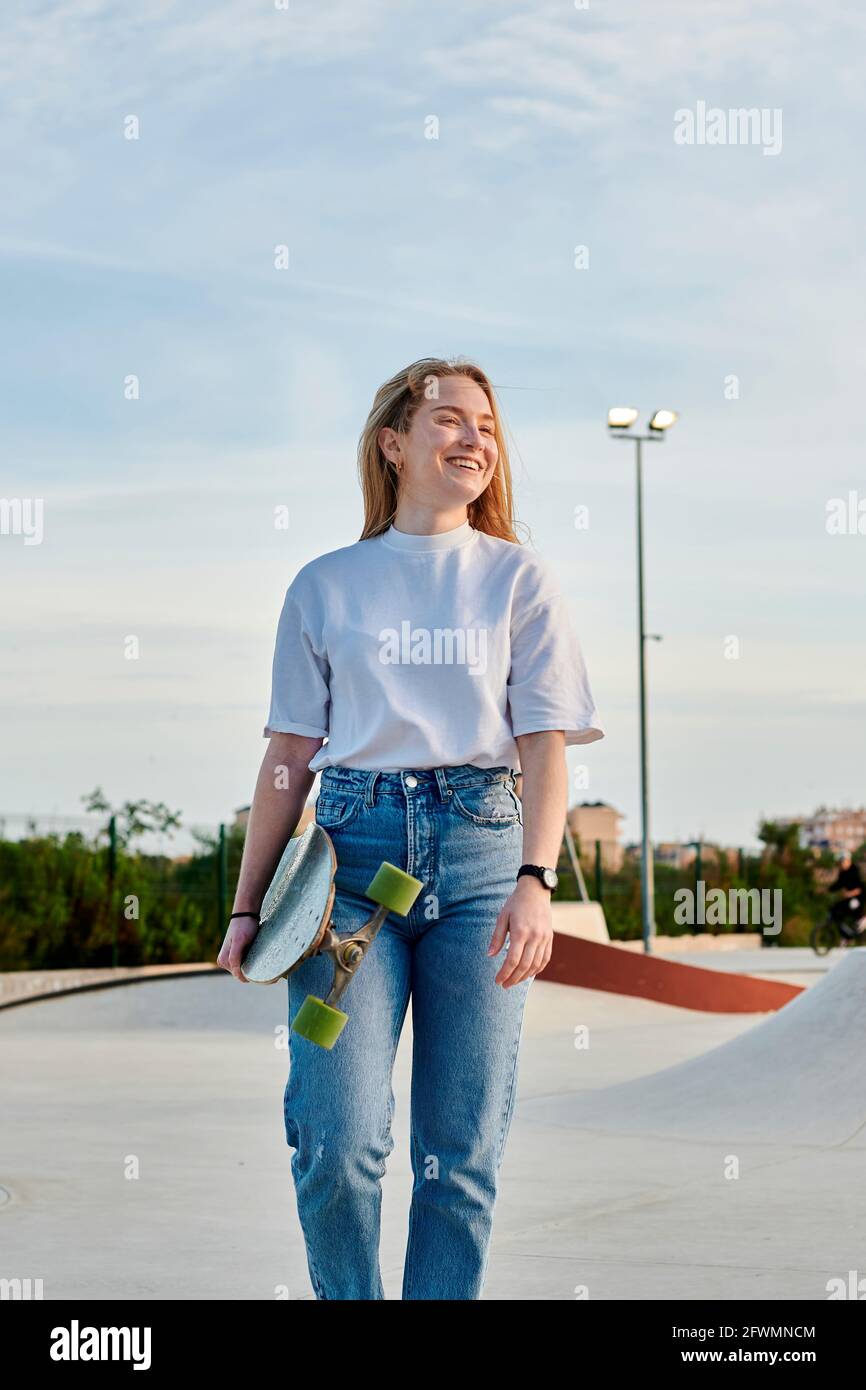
[(245, 914)]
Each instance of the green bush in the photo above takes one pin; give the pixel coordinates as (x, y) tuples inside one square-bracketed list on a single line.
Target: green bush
[(58, 908), (801, 875)]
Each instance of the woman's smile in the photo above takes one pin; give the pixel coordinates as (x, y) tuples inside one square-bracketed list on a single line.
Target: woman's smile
[(466, 464)]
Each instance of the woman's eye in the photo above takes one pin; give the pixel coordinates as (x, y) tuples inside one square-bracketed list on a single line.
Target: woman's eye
[(453, 420)]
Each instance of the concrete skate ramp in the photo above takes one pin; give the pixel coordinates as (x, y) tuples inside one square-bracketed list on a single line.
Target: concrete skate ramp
[(594, 965), (798, 1077)]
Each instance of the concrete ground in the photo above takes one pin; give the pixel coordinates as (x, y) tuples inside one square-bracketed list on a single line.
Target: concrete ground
[(641, 1191)]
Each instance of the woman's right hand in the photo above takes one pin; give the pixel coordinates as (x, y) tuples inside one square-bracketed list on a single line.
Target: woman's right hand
[(238, 937)]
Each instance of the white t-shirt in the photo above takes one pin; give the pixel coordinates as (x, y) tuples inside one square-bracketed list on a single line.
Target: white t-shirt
[(412, 651)]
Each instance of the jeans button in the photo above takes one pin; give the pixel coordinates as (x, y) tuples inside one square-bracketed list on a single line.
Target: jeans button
[(411, 781)]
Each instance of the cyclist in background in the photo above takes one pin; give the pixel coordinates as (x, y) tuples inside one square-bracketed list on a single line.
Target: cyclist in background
[(850, 907)]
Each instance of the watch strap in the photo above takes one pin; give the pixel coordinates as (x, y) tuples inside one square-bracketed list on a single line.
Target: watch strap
[(537, 871)]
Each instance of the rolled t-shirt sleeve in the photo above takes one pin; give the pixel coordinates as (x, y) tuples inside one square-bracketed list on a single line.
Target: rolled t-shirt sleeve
[(548, 686), (300, 691)]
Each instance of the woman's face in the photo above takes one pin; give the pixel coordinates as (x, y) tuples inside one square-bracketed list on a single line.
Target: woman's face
[(449, 454)]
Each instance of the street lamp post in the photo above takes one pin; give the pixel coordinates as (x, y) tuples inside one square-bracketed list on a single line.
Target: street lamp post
[(619, 421)]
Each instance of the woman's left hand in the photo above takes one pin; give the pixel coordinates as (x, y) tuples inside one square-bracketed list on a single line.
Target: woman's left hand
[(527, 919)]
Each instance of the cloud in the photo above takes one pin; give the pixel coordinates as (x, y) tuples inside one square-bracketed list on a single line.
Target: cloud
[(99, 55)]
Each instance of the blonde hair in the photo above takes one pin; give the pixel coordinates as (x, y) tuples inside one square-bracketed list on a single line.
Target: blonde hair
[(394, 406)]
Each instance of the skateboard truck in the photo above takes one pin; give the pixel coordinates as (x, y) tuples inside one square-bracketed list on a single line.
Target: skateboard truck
[(295, 923)]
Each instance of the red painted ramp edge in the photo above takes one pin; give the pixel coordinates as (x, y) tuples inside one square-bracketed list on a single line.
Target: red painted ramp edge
[(594, 965)]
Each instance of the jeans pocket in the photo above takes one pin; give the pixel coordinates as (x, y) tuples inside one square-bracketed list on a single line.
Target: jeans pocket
[(489, 804), (335, 809)]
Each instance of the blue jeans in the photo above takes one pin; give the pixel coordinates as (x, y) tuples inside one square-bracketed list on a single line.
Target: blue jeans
[(459, 830)]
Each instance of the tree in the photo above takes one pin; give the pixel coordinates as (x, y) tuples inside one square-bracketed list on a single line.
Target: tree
[(133, 818)]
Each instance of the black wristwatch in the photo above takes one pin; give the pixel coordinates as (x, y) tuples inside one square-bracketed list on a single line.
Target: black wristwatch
[(548, 877)]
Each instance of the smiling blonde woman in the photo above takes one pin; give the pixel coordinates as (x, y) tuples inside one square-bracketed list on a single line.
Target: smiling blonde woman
[(419, 670)]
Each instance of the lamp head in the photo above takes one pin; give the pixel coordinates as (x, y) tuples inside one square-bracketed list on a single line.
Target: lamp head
[(621, 417), (663, 419)]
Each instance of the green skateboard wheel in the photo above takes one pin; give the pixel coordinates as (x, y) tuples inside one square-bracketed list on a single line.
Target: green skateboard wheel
[(393, 889), (318, 1022)]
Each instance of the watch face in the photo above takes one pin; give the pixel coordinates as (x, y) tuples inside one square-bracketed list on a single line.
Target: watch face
[(550, 878)]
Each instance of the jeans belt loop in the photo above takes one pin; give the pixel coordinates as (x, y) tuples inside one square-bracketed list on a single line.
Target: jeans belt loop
[(441, 783)]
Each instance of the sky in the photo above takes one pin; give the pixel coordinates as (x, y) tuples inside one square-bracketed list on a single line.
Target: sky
[(432, 171)]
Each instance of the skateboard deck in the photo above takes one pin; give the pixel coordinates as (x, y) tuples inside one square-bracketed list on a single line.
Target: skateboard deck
[(296, 908), (295, 923)]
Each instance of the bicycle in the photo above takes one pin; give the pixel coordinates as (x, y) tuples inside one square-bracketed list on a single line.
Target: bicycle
[(831, 933)]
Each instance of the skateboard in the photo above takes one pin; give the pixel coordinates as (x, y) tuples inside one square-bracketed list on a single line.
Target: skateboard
[(295, 923)]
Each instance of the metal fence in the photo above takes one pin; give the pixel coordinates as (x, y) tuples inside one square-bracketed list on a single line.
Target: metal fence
[(82, 874), (78, 890), (681, 890)]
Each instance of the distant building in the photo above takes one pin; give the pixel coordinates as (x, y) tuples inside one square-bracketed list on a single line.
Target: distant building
[(595, 820), (681, 855), (672, 852), (835, 830)]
